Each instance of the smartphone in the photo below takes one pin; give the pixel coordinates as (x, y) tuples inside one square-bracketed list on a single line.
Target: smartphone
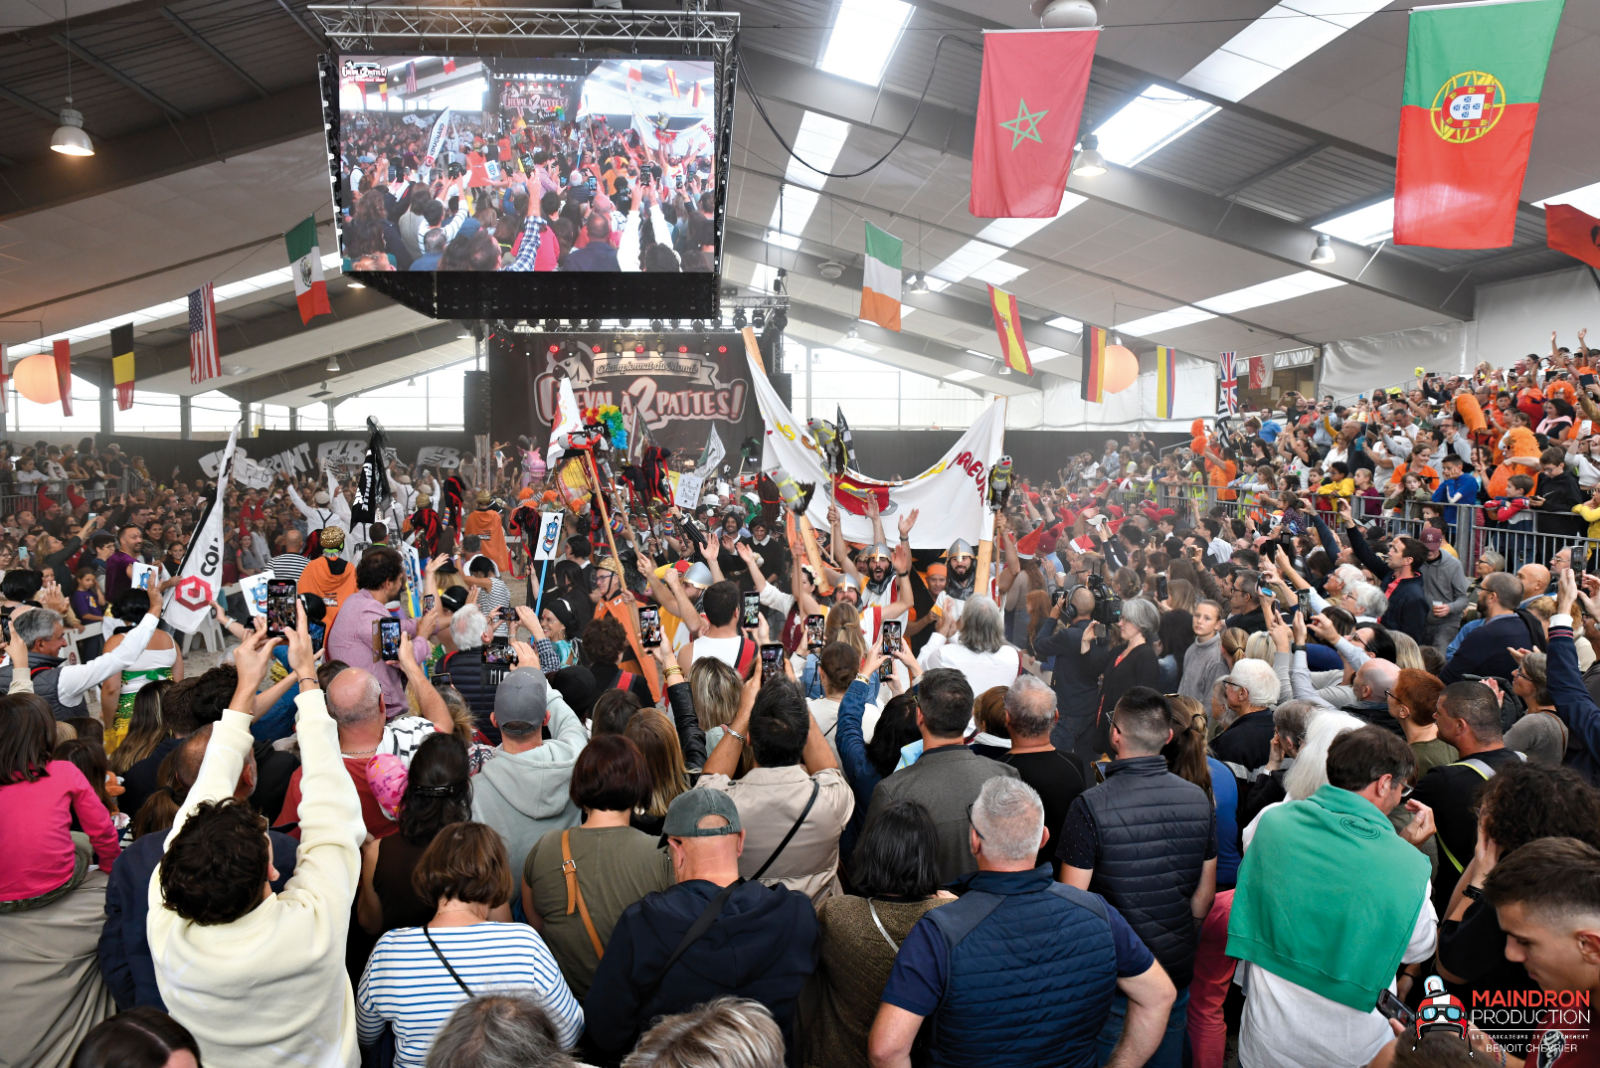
[(816, 629), (388, 633), (1395, 1009), (1580, 558), (1161, 587), (1586, 379), (282, 596), (507, 614), (752, 609), (498, 653), (891, 636), (649, 626), (771, 661)]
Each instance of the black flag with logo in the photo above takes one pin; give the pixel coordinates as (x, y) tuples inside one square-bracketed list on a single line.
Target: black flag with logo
[(847, 444), (372, 487)]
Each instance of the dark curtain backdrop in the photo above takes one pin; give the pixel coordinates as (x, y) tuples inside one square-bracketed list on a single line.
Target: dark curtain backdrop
[(1035, 454)]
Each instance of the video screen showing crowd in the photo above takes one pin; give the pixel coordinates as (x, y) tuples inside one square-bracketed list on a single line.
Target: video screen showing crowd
[(489, 164), (565, 767)]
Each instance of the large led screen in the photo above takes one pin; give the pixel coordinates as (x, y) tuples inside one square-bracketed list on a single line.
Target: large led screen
[(498, 186)]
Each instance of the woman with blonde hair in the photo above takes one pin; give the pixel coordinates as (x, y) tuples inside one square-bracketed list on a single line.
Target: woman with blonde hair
[(1407, 653), (1234, 640), (650, 730)]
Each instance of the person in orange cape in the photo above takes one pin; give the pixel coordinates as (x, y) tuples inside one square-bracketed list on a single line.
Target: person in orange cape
[(612, 598), (329, 577), (484, 521)]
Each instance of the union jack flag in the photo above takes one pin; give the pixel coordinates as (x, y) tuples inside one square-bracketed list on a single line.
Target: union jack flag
[(1228, 391)]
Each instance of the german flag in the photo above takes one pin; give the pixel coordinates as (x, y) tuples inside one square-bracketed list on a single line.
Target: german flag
[(1093, 387), (1166, 381)]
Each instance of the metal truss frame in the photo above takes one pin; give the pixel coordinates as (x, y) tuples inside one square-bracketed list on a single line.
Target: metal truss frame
[(351, 26)]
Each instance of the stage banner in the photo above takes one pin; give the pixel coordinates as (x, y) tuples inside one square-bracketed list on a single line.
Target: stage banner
[(681, 387), (949, 496)]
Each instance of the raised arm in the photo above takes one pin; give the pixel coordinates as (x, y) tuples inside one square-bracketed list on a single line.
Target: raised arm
[(840, 550)]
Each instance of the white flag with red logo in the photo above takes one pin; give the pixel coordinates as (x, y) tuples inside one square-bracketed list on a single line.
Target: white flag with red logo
[(200, 578), (1260, 372)]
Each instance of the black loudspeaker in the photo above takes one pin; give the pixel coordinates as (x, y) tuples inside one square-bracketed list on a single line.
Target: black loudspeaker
[(475, 402), (783, 384)]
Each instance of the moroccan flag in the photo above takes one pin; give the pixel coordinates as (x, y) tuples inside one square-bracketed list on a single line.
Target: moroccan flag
[(122, 364), (1166, 381), (1028, 110), (1473, 76), (1093, 386), (1008, 324), (305, 263), (63, 354), (880, 281), (1566, 229)]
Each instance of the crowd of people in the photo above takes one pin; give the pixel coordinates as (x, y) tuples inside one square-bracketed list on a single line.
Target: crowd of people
[(516, 196), (1181, 768)]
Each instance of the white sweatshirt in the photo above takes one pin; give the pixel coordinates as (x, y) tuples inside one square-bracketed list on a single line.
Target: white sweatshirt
[(270, 988)]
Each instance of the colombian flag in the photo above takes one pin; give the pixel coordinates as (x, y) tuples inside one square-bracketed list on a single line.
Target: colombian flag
[(1093, 387)]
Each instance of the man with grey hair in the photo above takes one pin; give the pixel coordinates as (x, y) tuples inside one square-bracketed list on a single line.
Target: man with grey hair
[(1371, 604), (470, 632), (964, 964), (526, 790), (64, 685), (980, 653), (1289, 723), (1057, 777)]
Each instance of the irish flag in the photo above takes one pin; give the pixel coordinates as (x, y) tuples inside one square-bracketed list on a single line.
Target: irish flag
[(305, 263), (880, 281), (1473, 77)]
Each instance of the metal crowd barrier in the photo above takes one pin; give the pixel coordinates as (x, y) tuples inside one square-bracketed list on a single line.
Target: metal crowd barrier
[(1466, 528), (26, 496)]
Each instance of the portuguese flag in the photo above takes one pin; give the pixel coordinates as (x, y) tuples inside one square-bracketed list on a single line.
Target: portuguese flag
[(1473, 77), (305, 263)]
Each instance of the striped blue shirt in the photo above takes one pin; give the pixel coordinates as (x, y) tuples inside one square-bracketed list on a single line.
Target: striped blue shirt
[(405, 984)]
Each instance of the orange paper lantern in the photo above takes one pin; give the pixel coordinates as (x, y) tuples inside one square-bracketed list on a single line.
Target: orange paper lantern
[(35, 379), (1122, 368)]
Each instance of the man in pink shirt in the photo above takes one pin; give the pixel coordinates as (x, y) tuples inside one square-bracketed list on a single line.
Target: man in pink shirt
[(380, 576)]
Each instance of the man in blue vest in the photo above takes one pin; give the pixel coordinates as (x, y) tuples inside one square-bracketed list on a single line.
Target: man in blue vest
[(998, 993), (1146, 840)]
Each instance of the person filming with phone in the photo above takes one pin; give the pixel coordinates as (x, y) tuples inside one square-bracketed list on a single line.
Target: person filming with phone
[(353, 638)]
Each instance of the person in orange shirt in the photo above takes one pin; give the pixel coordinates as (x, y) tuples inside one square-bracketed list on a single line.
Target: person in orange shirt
[(612, 598), (484, 521), (329, 577), (1221, 470), (1470, 412)]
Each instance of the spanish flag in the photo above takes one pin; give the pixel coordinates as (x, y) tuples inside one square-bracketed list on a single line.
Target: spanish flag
[(1008, 324), (672, 82), (1166, 381), (122, 364), (1093, 387)]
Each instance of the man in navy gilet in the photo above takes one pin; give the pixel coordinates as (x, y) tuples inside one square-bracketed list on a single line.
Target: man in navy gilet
[(1021, 970)]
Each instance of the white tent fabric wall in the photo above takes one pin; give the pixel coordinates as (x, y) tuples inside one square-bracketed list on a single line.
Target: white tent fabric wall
[(1515, 318), (1363, 364), (1061, 408)]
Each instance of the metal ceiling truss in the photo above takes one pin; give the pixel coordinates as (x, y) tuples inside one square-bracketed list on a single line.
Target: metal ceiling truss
[(378, 26)]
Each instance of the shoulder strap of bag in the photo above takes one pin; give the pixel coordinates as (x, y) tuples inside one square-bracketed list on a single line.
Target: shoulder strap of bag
[(746, 657), (696, 931), (569, 868), (816, 788), (624, 680), (465, 989)]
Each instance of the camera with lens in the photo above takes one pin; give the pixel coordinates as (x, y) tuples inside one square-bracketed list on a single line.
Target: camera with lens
[(1107, 606)]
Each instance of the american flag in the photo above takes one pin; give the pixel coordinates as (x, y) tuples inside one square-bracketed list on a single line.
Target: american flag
[(1228, 392), (205, 357), (411, 77)]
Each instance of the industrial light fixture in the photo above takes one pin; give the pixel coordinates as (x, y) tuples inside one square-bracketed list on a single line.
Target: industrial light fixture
[(697, 325), (657, 325), (412, 382), (919, 283), (624, 323), (594, 324), (739, 321), (1005, 367), (853, 334), (661, 347), (1323, 254), (1090, 162), (758, 318), (333, 365), (69, 139), (676, 323), (941, 384), (552, 325)]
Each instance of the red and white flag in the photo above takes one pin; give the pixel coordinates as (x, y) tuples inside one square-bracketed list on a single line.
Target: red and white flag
[(205, 356), (1029, 105), (1260, 372)]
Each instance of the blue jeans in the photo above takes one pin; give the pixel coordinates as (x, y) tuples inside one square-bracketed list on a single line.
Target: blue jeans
[(1167, 1055)]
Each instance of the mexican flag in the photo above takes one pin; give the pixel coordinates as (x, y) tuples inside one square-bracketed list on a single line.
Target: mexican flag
[(1473, 77), (305, 263), (880, 280)]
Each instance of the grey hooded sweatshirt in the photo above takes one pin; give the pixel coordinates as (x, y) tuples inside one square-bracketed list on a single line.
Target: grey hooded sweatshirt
[(523, 795)]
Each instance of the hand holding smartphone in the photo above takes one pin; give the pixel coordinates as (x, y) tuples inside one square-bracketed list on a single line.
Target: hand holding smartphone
[(752, 610), (387, 634), (282, 596), (771, 661), (892, 629)]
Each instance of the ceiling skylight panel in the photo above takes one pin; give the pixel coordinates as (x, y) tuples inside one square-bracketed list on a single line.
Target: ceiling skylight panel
[(865, 34), (973, 256), (1155, 118), (1012, 232), (1585, 198), (1161, 322), (1276, 41), (1269, 292), (1364, 226)]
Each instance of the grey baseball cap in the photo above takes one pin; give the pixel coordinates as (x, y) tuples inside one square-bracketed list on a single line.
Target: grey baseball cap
[(692, 806), (522, 702)]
